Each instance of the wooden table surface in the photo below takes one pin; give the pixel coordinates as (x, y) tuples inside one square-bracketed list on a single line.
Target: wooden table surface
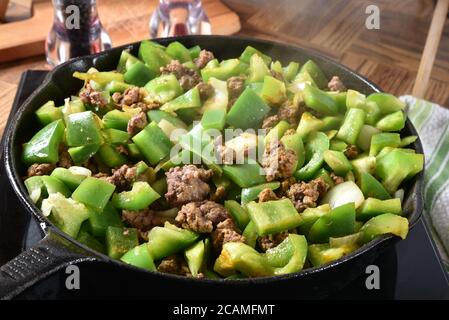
[(389, 56)]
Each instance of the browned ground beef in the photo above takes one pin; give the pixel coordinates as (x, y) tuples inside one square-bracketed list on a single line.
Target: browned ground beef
[(278, 162), (219, 194), (137, 123), (204, 58), (122, 149), (336, 84), (225, 232), (202, 216), (277, 75), (271, 241), (206, 90), (187, 184), (188, 78), (285, 185), (270, 121), (306, 194), (175, 265), (351, 152), (90, 96), (289, 132), (123, 177), (267, 195), (290, 112), (40, 169), (337, 179), (65, 160), (143, 220), (236, 85)]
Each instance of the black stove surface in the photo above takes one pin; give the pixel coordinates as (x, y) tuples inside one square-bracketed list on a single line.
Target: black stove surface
[(411, 269)]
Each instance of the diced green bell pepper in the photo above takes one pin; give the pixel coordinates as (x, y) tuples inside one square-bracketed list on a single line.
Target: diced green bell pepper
[(54, 185), (337, 161), (273, 91), (114, 136), (372, 207), (352, 125), (177, 51), (195, 256), (308, 124), (319, 101), (99, 221), (81, 154), (276, 133), (315, 72), (214, 119), (70, 179), (317, 143), (339, 222), (226, 69), (120, 240), (90, 241), (292, 252), (158, 115), (382, 140), (290, 71), (138, 74), (250, 194), (310, 216), (408, 140), (126, 61), (190, 99), (338, 145), (386, 102), (273, 216), (167, 240), (250, 51), (48, 113), (140, 257), (140, 197), (372, 188), (116, 119), (364, 138), (110, 156), (154, 56), (320, 254), (102, 78), (248, 111), (250, 234), (83, 128), (164, 88), (295, 143), (94, 192), (392, 122), (363, 164), (35, 188), (43, 147), (386, 223), (153, 143), (238, 213), (245, 175)]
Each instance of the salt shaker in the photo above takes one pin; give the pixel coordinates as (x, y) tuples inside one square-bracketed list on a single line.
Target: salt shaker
[(76, 31)]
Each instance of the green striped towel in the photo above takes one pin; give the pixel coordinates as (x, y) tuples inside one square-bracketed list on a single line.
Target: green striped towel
[(432, 123)]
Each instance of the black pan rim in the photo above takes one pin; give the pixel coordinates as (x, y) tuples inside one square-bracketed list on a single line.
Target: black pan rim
[(47, 225)]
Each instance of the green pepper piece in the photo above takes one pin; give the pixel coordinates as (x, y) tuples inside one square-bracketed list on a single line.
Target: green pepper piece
[(250, 194), (301, 80), (190, 99), (159, 115), (245, 175), (94, 192), (348, 243), (177, 51), (153, 143), (320, 254), (140, 257), (386, 223), (340, 99), (126, 61), (310, 216), (364, 138), (70, 179), (372, 188), (43, 147), (250, 234), (120, 240), (66, 214), (352, 125), (48, 113), (110, 156), (386, 102), (238, 213), (81, 154), (294, 247), (372, 207), (338, 145), (140, 197), (339, 222), (115, 136), (219, 99), (54, 185), (167, 240), (392, 122), (164, 88), (250, 51), (289, 72), (277, 132), (214, 119), (117, 86), (355, 99), (195, 255), (226, 69), (337, 161), (273, 216), (396, 166), (317, 74), (295, 143), (382, 140), (317, 143), (273, 91), (138, 74), (90, 241), (99, 221), (154, 56), (309, 124), (248, 111), (408, 140), (194, 52), (323, 173), (257, 69), (319, 101), (101, 78), (116, 119), (83, 128), (35, 188)]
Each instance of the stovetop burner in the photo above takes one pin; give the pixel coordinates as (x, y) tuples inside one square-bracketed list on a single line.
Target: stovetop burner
[(411, 269)]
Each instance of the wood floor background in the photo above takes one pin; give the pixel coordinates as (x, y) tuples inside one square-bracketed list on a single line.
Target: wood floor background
[(389, 56)]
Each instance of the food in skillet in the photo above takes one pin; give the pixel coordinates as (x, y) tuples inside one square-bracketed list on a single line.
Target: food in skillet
[(162, 164)]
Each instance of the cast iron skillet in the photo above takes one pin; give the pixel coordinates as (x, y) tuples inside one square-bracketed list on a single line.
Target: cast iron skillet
[(58, 250)]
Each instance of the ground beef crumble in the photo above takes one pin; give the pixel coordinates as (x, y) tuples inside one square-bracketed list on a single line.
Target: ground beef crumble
[(40, 169), (90, 96), (188, 78), (235, 85), (65, 160), (174, 265), (187, 184), (278, 162), (336, 179), (351, 152), (206, 90), (144, 220), (336, 84), (267, 195), (290, 112), (270, 122), (204, 58), (202, 216), (225, 232), (137, 123), (306, 194), (272, 240), (123, 177)]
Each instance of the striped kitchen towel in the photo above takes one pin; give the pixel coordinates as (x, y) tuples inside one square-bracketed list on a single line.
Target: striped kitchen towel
[(432, 123)]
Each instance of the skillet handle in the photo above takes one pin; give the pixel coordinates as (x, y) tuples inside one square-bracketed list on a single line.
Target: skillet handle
[(49, 255)]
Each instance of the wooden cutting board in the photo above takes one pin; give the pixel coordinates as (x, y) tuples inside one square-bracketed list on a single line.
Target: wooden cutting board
[(126, 21)]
